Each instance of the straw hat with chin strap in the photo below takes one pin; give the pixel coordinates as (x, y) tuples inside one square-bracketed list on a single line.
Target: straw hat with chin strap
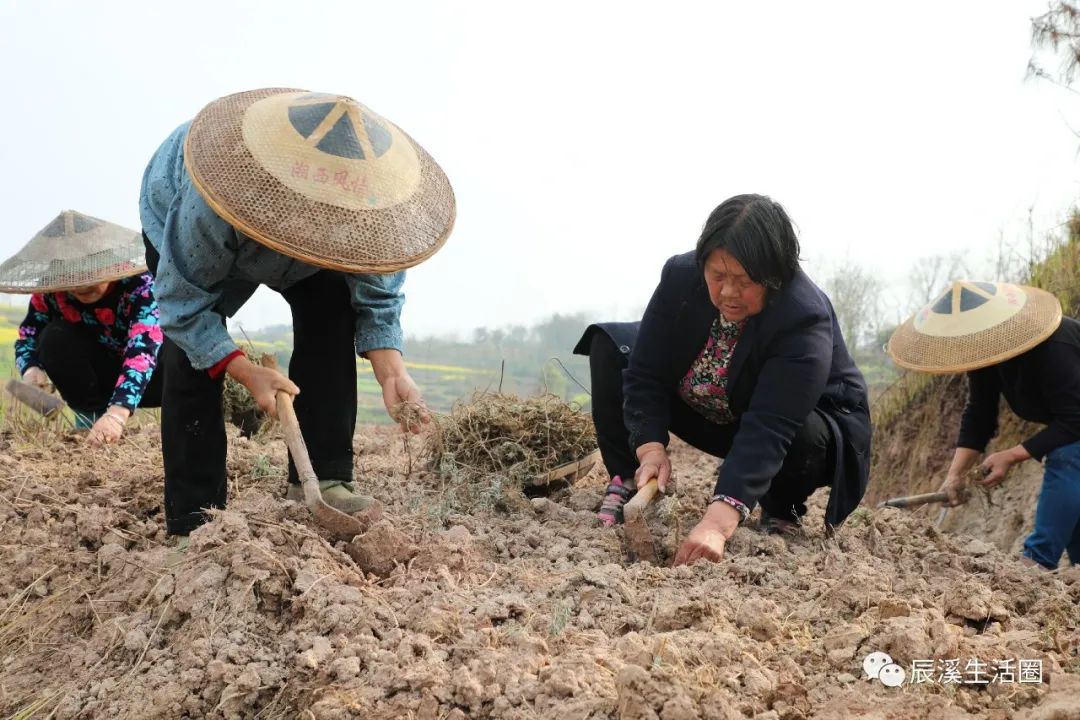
[(73, 251), (320, 178), (974, 325)]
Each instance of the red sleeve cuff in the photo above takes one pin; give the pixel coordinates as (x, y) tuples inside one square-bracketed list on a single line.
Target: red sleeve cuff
[(218, 368)]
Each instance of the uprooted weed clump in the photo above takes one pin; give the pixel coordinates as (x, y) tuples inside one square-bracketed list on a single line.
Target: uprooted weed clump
[(239, 404), (489, 448), (240, 408)]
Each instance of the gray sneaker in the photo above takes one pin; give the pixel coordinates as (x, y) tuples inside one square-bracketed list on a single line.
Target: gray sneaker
[(338, 494), (179, 551)]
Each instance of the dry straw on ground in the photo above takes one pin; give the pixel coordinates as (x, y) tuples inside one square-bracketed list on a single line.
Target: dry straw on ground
[(509, 437)]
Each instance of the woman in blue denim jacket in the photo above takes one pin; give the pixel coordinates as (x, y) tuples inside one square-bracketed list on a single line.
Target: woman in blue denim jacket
[(320, 199), (1012, 341)]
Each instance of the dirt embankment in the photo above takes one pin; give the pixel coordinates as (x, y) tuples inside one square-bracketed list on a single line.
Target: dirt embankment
[(520, 609)]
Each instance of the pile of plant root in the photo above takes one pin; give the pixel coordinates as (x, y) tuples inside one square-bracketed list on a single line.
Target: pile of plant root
[(503, 435)]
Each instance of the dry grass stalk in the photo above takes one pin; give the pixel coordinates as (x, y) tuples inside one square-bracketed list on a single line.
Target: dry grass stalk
[(34, 707)]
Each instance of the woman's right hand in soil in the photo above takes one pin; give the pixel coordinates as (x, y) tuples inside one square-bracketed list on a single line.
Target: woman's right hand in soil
[(37, 377), (263, 383), (709, 537), (109, 428), (956, 489), (653, 462), (955, 485)]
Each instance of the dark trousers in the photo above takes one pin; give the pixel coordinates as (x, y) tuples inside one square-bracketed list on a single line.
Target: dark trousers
[(85, 371), (808, 465), (323, 365)]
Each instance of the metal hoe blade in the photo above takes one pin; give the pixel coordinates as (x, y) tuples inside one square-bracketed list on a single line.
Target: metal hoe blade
[(41, 402), (638, 535)]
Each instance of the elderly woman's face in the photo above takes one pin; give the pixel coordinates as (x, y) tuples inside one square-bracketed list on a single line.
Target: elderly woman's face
[(731, 290), (90, 293)]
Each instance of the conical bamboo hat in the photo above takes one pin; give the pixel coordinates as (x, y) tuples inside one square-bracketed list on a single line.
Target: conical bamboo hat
[(975, 325), (320, 178), (72, 251)]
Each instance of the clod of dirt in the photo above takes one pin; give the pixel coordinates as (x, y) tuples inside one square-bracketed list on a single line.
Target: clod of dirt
[(759, 617), (974, 601), (893, 608), (381, 549)]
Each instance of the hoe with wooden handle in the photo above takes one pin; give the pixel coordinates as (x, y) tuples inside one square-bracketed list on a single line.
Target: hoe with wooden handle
[(637, 530), (341, 525), (927, 498), (915, 500), (41, 402), (934, 497)]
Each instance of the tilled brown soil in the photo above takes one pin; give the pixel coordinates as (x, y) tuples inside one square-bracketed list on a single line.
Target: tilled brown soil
[(478, 605)]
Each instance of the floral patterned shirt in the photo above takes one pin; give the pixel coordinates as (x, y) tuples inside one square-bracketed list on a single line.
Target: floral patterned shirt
[(705, 385), (125, 320)]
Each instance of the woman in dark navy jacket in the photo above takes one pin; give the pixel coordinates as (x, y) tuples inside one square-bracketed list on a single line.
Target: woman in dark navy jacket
[(740, 355)]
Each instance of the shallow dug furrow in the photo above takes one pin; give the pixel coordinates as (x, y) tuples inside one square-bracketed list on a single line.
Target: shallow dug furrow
[(486, 604)]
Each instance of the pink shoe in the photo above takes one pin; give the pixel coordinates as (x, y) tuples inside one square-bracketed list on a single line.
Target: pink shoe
[(611, 509)]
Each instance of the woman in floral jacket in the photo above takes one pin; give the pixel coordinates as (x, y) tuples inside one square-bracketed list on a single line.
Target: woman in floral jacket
[(98, 345), (97, 341)]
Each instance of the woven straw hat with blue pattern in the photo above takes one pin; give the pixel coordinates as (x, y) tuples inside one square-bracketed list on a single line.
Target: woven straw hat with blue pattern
[(73, 251), (975, 325), (320, 178)]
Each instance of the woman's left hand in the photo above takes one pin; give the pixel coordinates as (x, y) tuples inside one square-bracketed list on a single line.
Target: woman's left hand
[(709, 537), (108, 429), (404, 402), (994, 467), (400, 394)]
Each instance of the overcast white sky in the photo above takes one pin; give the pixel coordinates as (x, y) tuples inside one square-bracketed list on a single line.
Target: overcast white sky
[(586, 141)]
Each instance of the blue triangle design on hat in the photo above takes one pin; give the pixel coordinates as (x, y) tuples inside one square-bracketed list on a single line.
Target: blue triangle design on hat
[(79, 224), (970, 300), (83, 224), (378, 135), (305, 118), (55, 228), (943, 306), (342, 141)]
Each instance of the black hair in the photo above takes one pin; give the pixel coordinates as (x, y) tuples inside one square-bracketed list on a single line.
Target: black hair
[(758, 233)]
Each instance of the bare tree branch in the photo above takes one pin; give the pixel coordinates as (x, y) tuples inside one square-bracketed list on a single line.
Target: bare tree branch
[(1057, 30), (856, 299)]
